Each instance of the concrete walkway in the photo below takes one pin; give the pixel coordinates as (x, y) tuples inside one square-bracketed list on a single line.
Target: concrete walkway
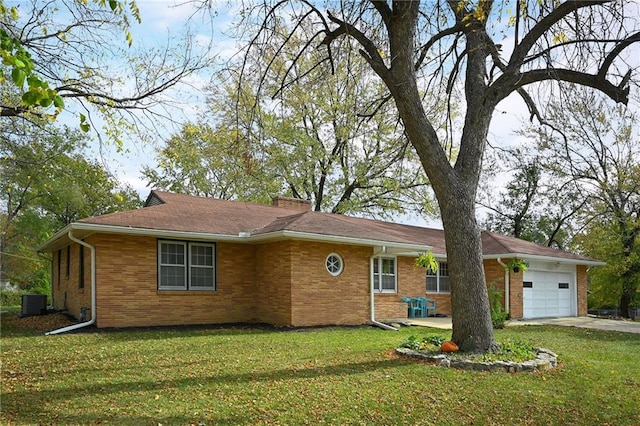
[(581, 322)]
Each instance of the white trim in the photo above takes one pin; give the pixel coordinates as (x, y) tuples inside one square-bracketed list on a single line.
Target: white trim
[(372, 294), (562, 260), (187, 266), (203, 236), (190, 286), (438, 276), (378, 259), (341, 263), (184, 265)]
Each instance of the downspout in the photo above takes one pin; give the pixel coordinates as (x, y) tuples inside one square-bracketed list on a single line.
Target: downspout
[(507, 284), (93, 289), (373, 305)]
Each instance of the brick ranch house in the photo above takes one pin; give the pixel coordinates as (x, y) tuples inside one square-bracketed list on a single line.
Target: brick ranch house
[(183, 259)]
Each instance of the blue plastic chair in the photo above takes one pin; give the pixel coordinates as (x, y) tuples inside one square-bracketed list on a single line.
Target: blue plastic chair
[(427, 305), (415, 308)]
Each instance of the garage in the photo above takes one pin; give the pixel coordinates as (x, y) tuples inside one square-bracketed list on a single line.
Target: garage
[(547, 294)]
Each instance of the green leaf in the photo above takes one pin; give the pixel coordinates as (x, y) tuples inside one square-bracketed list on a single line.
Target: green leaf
[(58, 102), (113, 4), (34, 82), (30, 98), (18, 76), (45, 102), (84, 126)]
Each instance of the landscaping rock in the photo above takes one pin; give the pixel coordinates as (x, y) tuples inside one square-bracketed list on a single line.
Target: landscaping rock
[(545, 360)]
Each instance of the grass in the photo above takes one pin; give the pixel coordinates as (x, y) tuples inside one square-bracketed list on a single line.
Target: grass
[(315, 376)]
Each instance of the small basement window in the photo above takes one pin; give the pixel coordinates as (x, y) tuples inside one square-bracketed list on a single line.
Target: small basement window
[(334, 264)]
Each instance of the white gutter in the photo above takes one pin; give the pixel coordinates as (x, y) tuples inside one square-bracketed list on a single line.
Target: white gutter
[(507, 284), (93, 289), (242, 237), (372, 301), (554, 259)]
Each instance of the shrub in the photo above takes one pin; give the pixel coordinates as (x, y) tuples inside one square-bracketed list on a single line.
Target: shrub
[(11, 298), (498, 314), (427, 343)]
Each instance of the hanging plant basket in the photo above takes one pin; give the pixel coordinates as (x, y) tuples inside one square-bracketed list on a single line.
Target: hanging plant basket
[(517, 265)]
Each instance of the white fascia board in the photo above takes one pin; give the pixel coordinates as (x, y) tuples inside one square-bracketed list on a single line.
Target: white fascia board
[(409, 249), (546, 259), (92, 228), (159, 233)]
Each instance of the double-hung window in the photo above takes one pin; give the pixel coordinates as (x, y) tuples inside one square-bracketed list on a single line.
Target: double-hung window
[(384, 275), (186, 266), (438, 281)]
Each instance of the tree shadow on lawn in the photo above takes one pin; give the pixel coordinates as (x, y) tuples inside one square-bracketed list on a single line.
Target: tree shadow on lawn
[(29, 404), (123, 418), (227, 329)]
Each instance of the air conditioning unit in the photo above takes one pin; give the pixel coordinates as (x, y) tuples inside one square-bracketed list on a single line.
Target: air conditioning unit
[(34, 304)]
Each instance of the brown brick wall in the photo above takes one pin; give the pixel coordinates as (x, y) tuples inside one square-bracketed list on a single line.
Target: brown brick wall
[(282, 283), (317, 297), (494, 272), (516, 300), (411, 283), (581, 281), (273, 283), (127, 293), (65, 287)]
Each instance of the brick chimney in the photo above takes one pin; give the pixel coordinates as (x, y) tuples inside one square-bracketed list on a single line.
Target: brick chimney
[(297, 204)]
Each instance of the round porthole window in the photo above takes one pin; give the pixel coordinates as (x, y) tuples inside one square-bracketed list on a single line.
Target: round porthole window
[(334, 264)]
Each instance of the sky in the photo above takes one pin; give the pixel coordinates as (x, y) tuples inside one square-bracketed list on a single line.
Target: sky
[(162, 17), (164, 20)]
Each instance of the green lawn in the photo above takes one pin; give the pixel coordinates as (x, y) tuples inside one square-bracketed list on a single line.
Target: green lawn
[(318, 376)]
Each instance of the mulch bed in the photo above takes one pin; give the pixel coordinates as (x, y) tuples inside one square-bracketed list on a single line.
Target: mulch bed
[(48, 322)]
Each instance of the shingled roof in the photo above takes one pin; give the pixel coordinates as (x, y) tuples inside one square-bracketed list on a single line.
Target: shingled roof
[(178, 215)]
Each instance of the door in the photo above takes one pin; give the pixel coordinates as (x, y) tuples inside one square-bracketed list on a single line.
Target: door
[(547, 294)]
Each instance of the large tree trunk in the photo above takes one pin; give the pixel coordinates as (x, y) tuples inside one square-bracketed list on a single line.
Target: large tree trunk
[(472, 326), (455, 186)]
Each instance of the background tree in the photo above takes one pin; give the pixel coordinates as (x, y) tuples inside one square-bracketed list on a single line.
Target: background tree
[(305, 143), (537, 205), (46, 183), (79, 55), (597, 147), (423, 51)]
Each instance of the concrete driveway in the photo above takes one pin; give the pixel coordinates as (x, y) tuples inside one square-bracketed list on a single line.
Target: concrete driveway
[(581, 322)]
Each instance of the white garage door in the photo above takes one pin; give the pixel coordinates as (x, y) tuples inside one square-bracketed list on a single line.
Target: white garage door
[(547, 294)]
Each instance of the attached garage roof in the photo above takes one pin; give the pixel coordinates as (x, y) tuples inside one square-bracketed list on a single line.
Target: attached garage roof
[(169, 215), (497, 245)]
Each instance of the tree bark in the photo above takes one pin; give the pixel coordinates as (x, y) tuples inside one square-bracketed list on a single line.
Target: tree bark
[(455, 187), (471, 316)]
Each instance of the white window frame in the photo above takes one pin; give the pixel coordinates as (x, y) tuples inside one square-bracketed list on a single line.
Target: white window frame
[(212, 267), (187, 265), (378, 260), (328, 265), (431, 274)]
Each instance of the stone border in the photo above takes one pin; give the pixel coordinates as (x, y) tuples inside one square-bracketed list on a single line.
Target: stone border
[(545, 360)]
